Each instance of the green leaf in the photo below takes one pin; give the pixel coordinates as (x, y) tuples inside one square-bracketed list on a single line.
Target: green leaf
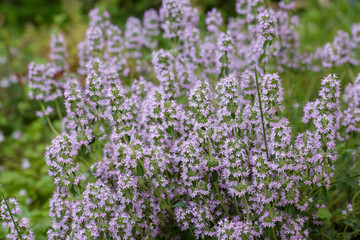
[(214, 176), (182, 100), (292, 211), (72, 190), (265, 44), (108, 237), (180, 204), (133, 231), (261, 57), (148, 57), (268, 232), (324, 191), (140, 171), (226, 71), (324, 213)]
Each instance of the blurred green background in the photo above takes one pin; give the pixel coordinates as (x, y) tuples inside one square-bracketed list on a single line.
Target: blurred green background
[(25, 29)]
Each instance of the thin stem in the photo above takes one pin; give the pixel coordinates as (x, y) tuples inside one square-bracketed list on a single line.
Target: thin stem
[(159, 196), (211, 156), (221, 200), (344, 179), (84, 161), (246, 207), (12, 218), (93, 154), (48, 120), (149, 233), (58, 110), (136, 225), (322, 233), (206, 203), (236, 207), (215, 183), (263, 127), (267, 3), (187, 220), (261, 112), (192, 233), (126, 140), (352, 213), (151, 183), (274, 235)]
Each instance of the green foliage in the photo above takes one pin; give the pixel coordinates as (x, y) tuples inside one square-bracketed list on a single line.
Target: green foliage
[(179, 204)]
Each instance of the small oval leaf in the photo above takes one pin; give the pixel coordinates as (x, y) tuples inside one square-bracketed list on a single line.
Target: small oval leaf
[(180, 204)]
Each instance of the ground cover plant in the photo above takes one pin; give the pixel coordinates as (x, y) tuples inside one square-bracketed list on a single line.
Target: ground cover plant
[(175, 127)]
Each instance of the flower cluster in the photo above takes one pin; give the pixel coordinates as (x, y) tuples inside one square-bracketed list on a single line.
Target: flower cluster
[(10, 216), (191, 141), (350, 118), (58, 52)]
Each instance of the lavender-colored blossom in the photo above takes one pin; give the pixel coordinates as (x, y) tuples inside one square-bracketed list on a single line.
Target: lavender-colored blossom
[(214, 21), (60, 212), (151, 28), (42, 83), (267, 24), (350, 118), (324, 113), (342, 48), (58, 52), (247, 8), (99, 18), (60, 157), (163, 68), (355, 31), (133, 37), (176, 16), (14, 221), (75, 104), (95, 41), (287, 4), (225, 47), (232, 230), (100, 213), (192, 137)]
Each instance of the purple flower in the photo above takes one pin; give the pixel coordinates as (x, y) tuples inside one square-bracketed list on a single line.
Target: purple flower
[(42, 83), (267, 24), (214, 21), (151, 24), (15, 223), (58, 52)]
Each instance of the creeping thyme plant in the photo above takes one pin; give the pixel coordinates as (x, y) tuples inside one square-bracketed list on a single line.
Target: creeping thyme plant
[(190, 141)]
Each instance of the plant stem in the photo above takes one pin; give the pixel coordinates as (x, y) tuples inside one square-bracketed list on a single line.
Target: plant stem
[(221, 200), (236, 207), (12, 218), (159, 196), (58, 110), (262, 115), (136, 225), (246, 207), (352, 213), (215, 183), (273, 232), (211, 156), (48, 120), (322, 233), (344, 179)]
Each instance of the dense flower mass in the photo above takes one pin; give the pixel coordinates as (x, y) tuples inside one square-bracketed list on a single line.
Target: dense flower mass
[(10, 216), (191, 141)]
